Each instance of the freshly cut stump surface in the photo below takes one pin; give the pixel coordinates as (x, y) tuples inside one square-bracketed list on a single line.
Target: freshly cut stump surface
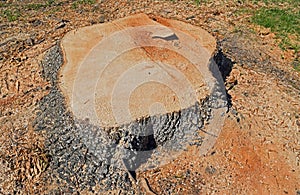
[(134, 68), (148, 76), (136, 92)]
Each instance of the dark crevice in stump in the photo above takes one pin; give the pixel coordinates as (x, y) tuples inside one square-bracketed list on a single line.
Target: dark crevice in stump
[(225, 65)]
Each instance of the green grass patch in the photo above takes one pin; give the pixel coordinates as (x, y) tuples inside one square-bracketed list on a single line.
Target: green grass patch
[(297, 67), (13, 11), (290, 3), (197, 2), (34, 6), (90, 2), (77, 3), (37, 6), (50, 2), (279, 20), (11, 15), (282, 22)]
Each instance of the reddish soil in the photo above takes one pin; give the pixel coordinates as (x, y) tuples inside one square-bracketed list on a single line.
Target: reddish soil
[(255, 153)]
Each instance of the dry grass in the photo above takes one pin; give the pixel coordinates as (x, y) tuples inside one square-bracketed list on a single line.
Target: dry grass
[(22, 158)]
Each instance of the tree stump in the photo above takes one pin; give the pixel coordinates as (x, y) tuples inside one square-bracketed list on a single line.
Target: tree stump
[(141, 86)]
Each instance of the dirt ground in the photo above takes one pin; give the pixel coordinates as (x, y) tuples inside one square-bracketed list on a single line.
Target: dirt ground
[(258, 150)]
